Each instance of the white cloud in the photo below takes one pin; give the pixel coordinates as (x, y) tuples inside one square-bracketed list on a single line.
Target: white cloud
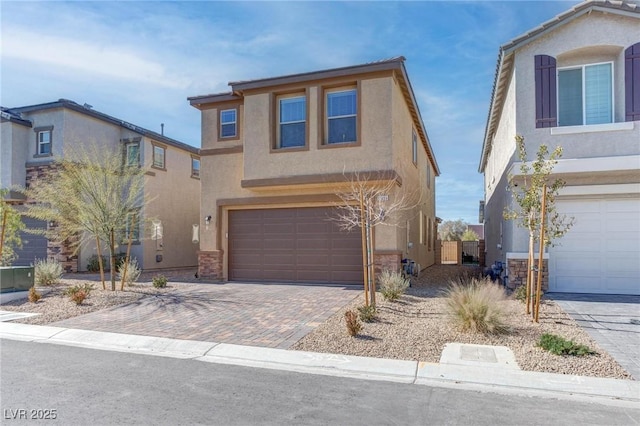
[(94, 58)]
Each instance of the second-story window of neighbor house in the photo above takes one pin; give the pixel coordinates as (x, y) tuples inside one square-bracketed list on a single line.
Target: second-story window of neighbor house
[(228, 123), (292, 127), (341, 116), (159, 157), (44, 142), (414, 147), (195, 167), (585, 95), (132, 154)]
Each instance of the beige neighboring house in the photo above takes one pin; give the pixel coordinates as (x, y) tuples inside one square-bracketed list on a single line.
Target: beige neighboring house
[(573, 82), (276, 150), (32, 136)]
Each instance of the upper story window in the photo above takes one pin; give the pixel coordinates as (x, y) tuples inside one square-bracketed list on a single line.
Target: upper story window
[(195, 167), (341, 123), (414, 147), (132, 154), (159, 157), (228, 123), (43, 141), (292, 121), (585, 95)]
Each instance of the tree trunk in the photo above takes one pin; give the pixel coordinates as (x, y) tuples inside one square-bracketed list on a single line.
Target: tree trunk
[(530, 262), (112, 253), (100, 264), (365, 259)]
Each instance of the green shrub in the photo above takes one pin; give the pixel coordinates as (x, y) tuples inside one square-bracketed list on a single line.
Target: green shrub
[(560, 346), (392, 284), (476, 306), (520, 293), (34, 296), (353, 323), (367, 312), (133, 271), (78, 292), (47, 272), (159, 281)]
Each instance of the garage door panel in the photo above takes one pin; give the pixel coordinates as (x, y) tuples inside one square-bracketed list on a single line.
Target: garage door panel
[(297, 244), (601, 252)]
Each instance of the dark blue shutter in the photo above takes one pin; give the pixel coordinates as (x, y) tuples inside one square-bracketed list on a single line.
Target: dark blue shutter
[(546, 109), (632, 82)]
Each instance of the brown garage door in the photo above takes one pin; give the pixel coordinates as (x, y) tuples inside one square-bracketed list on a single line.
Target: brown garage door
[(292, 245)]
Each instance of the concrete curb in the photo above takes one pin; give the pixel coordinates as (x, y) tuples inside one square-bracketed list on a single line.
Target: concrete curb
[(410, 372)]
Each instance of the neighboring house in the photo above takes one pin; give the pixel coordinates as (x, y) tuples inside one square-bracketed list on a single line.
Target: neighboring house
[(276, 150), (33, 136), (572, 82), (478, 229)]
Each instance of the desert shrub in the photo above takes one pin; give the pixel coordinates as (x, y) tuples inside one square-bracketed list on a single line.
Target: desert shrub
[(560, 346), (78, 292), (159, 281), (353, 323), (34, 296), (47, 272), (392, 284), (520, 293), (133, 271), (94, 266), (367, 313), (476, 306)]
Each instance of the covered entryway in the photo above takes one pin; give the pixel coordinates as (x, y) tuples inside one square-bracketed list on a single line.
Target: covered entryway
[(292, 245), (601, 252)]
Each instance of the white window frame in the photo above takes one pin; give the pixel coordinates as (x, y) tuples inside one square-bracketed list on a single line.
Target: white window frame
[(155, 163), (41, 143), (414, 147), (126, 153), (584, 103), (136, 232), (327, 118), (234, 122), (280, 122), (195, 173)]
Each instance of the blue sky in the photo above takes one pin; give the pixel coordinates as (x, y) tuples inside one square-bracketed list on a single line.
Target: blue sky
[(139, 61)]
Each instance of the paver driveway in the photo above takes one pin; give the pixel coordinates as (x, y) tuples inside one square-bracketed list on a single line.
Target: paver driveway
[(269, 315)]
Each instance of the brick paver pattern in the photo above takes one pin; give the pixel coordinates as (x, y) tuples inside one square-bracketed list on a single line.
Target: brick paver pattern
[(268, 315)]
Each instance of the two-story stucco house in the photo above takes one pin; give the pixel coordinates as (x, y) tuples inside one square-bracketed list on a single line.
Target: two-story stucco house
[(274, 153), (573, 82), (33, 136)]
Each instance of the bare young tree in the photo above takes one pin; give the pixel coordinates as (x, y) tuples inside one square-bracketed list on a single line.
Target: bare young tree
[(368, 200), (530, 210), (92, 196)]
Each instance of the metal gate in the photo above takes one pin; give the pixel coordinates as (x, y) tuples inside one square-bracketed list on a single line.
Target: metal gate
[(470, 252)]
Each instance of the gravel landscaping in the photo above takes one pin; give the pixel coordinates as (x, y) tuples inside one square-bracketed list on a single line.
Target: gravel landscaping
[(417, 327)]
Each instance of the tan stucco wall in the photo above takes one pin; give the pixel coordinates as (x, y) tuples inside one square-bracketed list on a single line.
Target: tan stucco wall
[(384, 143), (15, 141)]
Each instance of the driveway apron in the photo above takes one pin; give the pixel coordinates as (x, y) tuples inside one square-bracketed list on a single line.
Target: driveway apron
[(611, 320), (268, 315)]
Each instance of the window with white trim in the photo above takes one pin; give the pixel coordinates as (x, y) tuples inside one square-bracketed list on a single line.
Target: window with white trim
[(195, 167), (159, 157), (341, 116), (414, 147), (132, 154), (228, 123), (133, 227), (44, 142), (585, 94), (292, 121)]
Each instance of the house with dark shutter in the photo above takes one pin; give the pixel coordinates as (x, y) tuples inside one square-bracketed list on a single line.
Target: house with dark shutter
[(573, 82), (33, 136), (276, 151)]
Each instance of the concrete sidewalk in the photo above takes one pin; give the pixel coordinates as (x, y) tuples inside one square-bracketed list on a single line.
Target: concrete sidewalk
[(481, 377)]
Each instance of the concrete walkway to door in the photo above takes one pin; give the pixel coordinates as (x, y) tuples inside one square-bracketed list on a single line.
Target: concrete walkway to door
[(611, 320), (268, 315)]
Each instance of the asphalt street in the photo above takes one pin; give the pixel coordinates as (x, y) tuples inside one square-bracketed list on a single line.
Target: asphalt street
[(95, 387)]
